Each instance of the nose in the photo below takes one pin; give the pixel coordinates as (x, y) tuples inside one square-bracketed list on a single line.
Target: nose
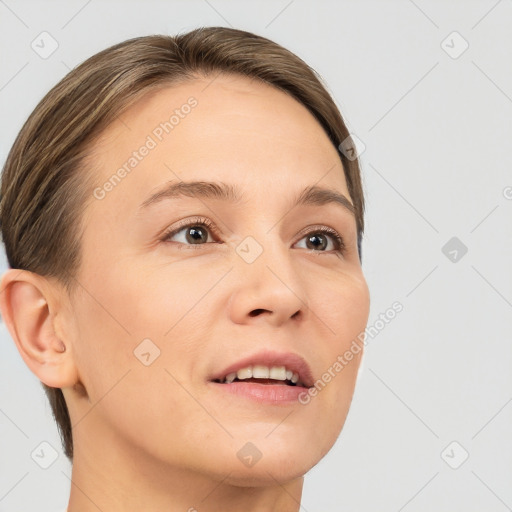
[(269, 289)]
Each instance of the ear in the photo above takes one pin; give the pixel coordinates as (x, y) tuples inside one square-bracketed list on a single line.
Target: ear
[(29, 308)]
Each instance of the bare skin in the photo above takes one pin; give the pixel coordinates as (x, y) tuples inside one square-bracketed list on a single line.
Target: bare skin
[(160, 437)]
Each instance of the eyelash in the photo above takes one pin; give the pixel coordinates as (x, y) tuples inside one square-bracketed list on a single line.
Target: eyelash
[(199, 221)]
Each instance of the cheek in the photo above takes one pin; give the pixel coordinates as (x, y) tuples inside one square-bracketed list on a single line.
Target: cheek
[(111, 323), (134, 401), (158, 302), (130, 303), (143, 406), (343, 306), (130, 317)]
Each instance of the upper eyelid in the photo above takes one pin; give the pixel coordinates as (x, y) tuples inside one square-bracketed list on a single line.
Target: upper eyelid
[(191, 222)]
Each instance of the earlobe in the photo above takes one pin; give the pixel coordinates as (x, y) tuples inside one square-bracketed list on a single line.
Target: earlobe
[(28, 313)]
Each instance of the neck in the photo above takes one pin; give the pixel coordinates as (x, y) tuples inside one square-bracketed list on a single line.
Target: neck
[(113, 477)]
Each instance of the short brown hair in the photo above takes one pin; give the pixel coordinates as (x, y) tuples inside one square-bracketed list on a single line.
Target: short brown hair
[(45, 184)]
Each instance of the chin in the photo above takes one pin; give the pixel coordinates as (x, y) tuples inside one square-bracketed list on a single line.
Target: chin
[(267, 474), (264, 463)]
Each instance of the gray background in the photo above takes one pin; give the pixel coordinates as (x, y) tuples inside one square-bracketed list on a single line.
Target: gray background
[(436, 128)]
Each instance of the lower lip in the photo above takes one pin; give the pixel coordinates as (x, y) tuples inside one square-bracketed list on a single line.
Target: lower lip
[(277, 394)]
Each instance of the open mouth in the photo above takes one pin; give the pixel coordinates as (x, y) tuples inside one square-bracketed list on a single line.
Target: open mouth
[(261, 381), (261, 374), (268, 377)]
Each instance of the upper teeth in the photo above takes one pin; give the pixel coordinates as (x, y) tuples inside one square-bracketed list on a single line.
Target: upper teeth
[(263, 372)]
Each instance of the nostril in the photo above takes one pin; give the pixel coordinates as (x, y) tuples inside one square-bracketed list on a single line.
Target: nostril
[(256, 312)]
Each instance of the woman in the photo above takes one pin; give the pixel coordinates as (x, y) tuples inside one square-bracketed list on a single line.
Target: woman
[(183, 235)]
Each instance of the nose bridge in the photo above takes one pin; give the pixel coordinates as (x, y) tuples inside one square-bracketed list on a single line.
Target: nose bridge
[(263, 250), (267, 275)]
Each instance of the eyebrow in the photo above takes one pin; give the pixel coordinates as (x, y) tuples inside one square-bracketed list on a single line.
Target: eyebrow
[(312, 195)]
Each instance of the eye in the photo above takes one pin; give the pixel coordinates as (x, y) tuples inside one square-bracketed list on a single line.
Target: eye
[(196, 233), (316, 238)]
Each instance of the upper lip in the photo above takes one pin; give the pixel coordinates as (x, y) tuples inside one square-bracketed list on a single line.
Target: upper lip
[(291, 361)]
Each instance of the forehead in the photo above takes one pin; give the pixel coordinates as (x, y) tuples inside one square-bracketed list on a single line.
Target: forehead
[(227, 128)]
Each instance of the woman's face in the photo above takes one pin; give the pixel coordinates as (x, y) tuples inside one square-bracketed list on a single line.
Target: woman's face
[(158, 317)]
